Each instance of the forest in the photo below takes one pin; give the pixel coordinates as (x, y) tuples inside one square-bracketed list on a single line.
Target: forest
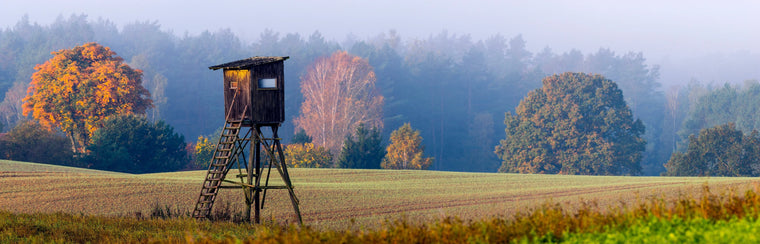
[(453, 89)]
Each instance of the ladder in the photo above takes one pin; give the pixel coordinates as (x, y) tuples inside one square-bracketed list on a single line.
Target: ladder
[(227, 150)]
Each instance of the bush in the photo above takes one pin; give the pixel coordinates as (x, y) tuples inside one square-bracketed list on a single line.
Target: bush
[(131, 143), (31, 142), (307, 155)]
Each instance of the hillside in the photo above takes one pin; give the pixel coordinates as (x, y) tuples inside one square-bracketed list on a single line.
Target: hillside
[(335, 197)]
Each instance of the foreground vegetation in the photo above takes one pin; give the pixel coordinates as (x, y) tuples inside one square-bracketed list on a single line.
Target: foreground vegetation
[(332, 198), (46, 203), (707, 218)]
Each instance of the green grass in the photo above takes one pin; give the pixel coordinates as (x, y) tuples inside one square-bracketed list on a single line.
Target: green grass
[(337, 198), (677, 230)]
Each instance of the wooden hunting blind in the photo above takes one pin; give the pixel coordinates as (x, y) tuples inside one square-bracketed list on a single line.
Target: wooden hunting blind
[(254, 90), (254, 98)]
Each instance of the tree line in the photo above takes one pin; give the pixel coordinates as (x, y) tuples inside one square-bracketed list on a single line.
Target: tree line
[(454, 89)]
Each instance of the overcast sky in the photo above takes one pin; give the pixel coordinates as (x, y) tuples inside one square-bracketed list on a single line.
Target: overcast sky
[(663, 30)]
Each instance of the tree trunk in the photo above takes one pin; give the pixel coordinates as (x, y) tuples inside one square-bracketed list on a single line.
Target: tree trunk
[(74, 145)]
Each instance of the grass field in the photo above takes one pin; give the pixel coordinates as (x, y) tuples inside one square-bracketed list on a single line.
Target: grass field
[(338, 198)]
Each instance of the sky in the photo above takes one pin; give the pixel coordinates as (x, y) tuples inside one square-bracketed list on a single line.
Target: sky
[(667, 32)]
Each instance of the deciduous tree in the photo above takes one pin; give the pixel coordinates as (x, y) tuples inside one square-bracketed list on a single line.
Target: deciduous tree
[(406, 150), (574, 124), (718, 151), (80, 87), (339, 94), (11, 106)]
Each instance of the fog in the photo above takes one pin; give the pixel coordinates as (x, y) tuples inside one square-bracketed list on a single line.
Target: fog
[(684, 37)]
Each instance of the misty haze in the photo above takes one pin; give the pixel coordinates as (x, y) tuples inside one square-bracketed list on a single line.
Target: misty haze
[(646, 88)]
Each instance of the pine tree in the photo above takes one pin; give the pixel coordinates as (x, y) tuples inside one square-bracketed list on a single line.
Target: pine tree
[(130, 143), (363, 150), (301, 137)]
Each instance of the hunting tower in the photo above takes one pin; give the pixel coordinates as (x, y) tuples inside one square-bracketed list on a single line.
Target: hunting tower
[(254, 98)]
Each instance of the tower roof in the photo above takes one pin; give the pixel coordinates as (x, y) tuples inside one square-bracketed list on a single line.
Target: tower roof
[(248, 62)]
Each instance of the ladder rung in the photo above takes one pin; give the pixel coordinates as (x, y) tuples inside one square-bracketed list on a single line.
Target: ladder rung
[(218, 165), (208, 194), (215, 171), (209, 190)]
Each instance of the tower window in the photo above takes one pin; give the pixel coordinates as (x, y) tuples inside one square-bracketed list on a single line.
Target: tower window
[(270, 83)]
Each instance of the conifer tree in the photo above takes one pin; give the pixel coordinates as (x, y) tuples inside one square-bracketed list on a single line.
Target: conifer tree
[(363, 150)]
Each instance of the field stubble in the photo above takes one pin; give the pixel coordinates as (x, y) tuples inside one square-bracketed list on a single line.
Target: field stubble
[(340, 198)]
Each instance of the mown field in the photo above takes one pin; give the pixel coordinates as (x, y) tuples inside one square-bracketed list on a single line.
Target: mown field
[(339, 198)]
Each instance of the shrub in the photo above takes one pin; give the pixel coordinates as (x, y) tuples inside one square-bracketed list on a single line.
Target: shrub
[(31, 142), (307, 155)]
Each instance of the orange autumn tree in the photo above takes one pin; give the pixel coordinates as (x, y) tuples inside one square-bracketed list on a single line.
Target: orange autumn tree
[(79, 87), (339, 94)]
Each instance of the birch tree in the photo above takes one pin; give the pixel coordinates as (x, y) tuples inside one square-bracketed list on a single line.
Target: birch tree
[(339, 94)]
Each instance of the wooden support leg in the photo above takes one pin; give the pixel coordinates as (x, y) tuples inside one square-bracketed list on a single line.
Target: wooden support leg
[(257, 169)]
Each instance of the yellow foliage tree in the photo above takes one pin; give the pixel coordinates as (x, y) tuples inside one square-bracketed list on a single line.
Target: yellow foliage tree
[(79, 87), (203, 152), (406, 150), (307, 155)]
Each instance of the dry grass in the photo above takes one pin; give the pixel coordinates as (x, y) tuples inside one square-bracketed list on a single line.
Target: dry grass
[(337, 198)]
